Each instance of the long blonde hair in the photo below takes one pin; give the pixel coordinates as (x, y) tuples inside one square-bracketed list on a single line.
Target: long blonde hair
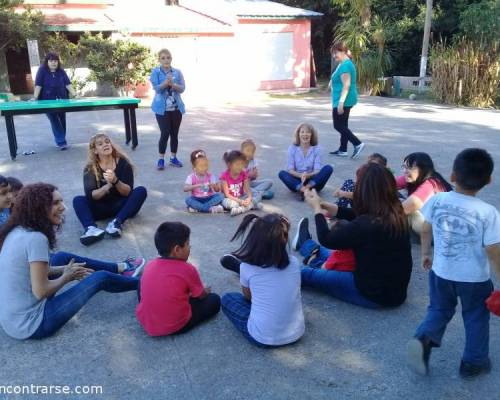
[(93, 158)]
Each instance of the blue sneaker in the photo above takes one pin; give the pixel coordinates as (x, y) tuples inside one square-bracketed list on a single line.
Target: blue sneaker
[(161, 164), (267, 195), (135, 266), (175, 162)]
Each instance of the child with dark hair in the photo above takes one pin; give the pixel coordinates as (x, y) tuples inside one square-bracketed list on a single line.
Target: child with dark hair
[(15, 186), (269, 312), (236, 186), (5, 200), (172, 298), (205, 190), (345, 193), (466, 233), (260, 187)]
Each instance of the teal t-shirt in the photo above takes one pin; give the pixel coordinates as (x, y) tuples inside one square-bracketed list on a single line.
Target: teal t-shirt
[(352, 96)]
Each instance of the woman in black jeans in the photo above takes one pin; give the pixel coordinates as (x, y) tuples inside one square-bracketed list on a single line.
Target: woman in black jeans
[(377, 231), (108, 181), (344, 97)]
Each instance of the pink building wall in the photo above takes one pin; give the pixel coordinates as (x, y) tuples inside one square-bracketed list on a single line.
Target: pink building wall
[(301, 50)]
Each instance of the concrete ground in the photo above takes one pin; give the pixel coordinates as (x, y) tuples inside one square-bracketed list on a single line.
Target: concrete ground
[(346, 353)]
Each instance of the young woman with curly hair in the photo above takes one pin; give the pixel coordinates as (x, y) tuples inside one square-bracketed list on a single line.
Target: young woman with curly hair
[(30, 277), (108, 181)]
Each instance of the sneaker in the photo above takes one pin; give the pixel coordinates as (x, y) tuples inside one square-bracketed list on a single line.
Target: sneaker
[(114, 229), (92, 235), (357, 150), (339, 153), (161, 164), (135, 266), (259, 206), (237, 211), (217, 209), (175, 162), (419, 353), (192, 210), (469, 371), (302, 234), (267, 195), (230, 262), (63, 147)]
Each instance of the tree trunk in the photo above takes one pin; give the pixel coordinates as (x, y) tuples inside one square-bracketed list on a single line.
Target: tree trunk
[(4, 73)]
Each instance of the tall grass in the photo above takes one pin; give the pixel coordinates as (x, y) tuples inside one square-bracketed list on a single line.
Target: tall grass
[(465, 73)]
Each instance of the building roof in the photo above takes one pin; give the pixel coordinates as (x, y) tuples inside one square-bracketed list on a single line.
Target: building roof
[(160, 18), (228, 10), (76, 17)]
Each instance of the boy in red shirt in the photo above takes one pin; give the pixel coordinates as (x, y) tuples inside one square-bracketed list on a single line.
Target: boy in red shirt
[(172, 298)]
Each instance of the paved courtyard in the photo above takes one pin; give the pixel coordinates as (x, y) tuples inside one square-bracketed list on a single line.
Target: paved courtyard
[(346, 353)]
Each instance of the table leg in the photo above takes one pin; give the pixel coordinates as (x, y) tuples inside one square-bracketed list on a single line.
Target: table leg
[(11, 136), (133, 127), (126, 119)]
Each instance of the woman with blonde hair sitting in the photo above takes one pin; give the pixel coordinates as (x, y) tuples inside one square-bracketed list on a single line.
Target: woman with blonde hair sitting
[(108, 181)]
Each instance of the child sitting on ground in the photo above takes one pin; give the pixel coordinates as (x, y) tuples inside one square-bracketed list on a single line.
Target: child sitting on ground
[(204, 188), (172, 298), (345, 193), (15, 186), (260, 187), (5, 200), (269, 312), (236, 186), (466, 234)]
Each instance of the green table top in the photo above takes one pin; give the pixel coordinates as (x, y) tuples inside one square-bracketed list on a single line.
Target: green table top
[(84, 101)]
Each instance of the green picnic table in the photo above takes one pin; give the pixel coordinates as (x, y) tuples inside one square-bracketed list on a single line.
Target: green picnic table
[(128, 105)]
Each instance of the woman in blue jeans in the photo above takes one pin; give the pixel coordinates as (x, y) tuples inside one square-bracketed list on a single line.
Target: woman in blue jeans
[(30, 305), (304, 170), (376, 229), (108, 181)]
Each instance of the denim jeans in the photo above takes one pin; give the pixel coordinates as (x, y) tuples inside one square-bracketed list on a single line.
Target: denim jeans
[(444, 295), (62, 258), (323, 253), (340, 124), (237, 309), (336, 284), (60, 308), (89, 211), (58, 125), (203, 204), (317, 181), (259, 186)]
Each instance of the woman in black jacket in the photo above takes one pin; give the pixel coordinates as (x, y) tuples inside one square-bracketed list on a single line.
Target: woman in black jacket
[(378, 233)]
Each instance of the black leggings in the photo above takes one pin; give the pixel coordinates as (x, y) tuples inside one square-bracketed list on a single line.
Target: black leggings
[(340, 123), (169, 124)]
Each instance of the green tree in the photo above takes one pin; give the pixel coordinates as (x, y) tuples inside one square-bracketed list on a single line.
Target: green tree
[(15, 28), (71, 54), (481, 22)]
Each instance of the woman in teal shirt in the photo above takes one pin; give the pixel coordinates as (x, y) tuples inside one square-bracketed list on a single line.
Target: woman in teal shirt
[(344, 97)]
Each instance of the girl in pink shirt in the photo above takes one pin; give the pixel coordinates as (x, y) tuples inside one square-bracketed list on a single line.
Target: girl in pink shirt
[(422, 182), (205, 190), (236, 186)]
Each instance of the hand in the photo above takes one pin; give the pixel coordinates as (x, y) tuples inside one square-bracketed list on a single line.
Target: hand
[(339, 193), (246, 202), (303, 177), (208, 290), (312, 198), (340, 109), (170, 80), (426, 262), (75, 271), (110, 176)]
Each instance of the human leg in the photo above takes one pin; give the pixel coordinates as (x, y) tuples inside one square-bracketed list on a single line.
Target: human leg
[(133, 204), (162, 121), (319, 180), (310, 248), (202, 310), (58, 130), (290, 181), (63, 258), (336, 284), (61, 308)]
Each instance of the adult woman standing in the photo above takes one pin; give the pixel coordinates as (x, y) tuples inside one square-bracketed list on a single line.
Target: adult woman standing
[(168, 83), (344, 97), (52, 83), (108, 181), (29, 305), (304, 170), (421, 181), (376, 229)]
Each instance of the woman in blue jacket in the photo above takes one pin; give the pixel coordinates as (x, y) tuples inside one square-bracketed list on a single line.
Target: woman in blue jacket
[(167, 105)]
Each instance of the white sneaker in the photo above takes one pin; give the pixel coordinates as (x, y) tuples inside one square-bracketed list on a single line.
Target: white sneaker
[(92, 235), (114, 229), (357, 150), (237, 211), (217, 209)]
